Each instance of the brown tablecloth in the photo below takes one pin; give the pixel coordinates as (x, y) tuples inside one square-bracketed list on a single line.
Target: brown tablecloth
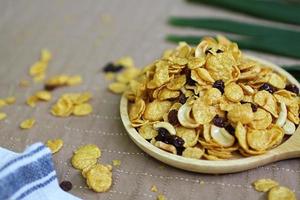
[(83, 36)]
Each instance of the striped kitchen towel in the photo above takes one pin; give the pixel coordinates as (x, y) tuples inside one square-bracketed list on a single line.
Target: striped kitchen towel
[(30, 175)]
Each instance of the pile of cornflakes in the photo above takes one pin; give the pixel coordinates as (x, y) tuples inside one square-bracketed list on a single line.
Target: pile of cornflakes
[(211, 102), (275, 192), (72, 103), (98, 176)]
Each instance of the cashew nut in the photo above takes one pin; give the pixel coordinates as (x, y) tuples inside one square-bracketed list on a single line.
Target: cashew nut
[(166, 147), (282, 115), (289, 127), (221, 136), (184, 117)]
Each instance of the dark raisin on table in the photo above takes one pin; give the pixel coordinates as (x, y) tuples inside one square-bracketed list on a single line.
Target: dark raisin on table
[(66, 185), (292, 88), (219, 84), (172, 117), (267, 87), (111, 67)]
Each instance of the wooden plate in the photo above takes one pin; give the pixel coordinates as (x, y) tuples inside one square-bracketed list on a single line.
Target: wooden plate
[(289, 149)]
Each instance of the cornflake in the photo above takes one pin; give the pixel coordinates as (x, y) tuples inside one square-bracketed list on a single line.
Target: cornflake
[(209, 102), (27, 124), (2, 116), (99, 178), (72, 103), (116, 163), (280, 192), (55, 145), (264, 185), (154, 188)]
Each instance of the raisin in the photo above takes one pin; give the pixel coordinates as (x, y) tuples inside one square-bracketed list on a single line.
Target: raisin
[(292, 88), (178, 142), (163, 134), (219, 121), (219, 84), (110, 67), (182, 99), (230, 128), (189, 80), (219, 51), (267, 87), (66, 185), (172, 117), (50, 87), (180, 150)]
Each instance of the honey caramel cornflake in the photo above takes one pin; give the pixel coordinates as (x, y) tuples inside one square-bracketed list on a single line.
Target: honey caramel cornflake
[(43, 95), (74, 80), (89, 149), (46, 55), (154, 188), (83, 160), (31, 101), (2, 116), (117, 87), (99, 178), (27, 124), (2, 103), (82, 109), (72, 103), (280, 193), (264, 185), (116, 163), (161, 197), (10, 100), (55, 145)]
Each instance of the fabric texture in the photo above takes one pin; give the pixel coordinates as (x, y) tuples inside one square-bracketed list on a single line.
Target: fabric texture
[(83, 36), (29, 175)]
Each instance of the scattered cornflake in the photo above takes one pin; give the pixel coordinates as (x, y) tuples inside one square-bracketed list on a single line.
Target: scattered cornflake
[(264, 185), (55, 145), (10, 100), (161, 197), (72, 103), (99, 178), (39, 78), (62, 80), (202, 182), (2, 116), (116, 163), (24, 83), (27, 124), (43, 95), (82, 109), (2, 103), (85, 156), (154, 188), (46, 55), (110, 76), (32, 100), (281, 193), (125, 61), (74, 80), (38, 69), (117, 87)]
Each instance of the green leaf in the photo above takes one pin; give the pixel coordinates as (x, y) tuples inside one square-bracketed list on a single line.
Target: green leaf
[(272, 10), (231, 26)]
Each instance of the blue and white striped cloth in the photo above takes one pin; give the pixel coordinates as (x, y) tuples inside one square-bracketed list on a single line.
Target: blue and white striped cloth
[(30, 175)]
